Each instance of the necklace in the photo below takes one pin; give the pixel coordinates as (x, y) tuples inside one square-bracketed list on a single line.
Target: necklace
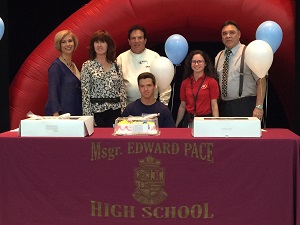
[(68, 65), (73, 69)]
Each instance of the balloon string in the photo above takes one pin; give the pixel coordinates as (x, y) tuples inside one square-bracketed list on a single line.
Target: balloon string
[(173, 89), (261, 88), (266, 100)]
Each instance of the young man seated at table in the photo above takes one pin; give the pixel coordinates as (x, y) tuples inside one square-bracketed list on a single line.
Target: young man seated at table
[(147, 104)]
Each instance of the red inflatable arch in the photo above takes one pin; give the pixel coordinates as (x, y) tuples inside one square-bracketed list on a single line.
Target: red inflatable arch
[(197, 21)]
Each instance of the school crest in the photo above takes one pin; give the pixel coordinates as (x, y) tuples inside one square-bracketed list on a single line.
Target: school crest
[(149, 180)]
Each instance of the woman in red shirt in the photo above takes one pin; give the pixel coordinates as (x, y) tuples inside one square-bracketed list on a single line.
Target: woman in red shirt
[(199, 91)]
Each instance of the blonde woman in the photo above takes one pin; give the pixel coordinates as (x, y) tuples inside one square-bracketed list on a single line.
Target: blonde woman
[(64, 89)]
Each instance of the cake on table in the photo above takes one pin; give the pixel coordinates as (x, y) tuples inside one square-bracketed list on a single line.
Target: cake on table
[(135, 125)]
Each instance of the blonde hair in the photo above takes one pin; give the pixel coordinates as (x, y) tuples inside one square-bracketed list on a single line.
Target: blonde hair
[(60, 35)]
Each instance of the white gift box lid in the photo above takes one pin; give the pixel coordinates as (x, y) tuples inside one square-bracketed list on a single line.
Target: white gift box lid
[(226, 127), (53, 126)]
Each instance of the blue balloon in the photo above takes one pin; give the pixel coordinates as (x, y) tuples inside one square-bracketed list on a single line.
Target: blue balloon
[(176, 48), (270, 32), (1, 28)]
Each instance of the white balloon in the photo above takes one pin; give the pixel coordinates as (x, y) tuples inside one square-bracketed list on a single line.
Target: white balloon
[(163, 70), (259, 57)]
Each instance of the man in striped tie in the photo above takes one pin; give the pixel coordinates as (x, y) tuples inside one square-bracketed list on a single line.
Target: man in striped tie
[(242, 91)]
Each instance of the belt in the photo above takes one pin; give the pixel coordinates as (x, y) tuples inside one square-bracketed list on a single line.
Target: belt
[(238, 99), (105, 100)]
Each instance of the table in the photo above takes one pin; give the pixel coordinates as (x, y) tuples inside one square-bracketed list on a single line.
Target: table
[(172, 178)]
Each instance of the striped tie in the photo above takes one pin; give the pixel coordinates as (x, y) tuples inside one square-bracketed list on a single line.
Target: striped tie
[(225, 72)]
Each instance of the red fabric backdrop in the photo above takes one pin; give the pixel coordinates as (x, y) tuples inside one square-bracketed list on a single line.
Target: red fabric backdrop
[(196, 20)]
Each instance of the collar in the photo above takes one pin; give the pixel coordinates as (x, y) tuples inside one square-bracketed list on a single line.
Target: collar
[(200, 78), (135, 55), (235, 48), (148, 103)]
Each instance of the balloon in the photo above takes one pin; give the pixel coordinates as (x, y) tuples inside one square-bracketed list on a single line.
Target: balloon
[(1, 28), (163, 70), (259, 57), (176, 48), (271, 33)]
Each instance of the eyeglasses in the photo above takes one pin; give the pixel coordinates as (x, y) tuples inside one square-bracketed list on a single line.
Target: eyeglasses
[(198, 61)]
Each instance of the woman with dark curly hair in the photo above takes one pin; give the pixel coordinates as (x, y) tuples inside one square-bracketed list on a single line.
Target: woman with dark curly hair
[(103, 90), (199, 91)]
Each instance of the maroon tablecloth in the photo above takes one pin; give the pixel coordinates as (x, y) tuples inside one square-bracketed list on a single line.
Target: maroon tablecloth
[(172, 178)]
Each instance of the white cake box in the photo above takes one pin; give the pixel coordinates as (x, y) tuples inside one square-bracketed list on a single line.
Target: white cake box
[(226, 127), (53, 126)]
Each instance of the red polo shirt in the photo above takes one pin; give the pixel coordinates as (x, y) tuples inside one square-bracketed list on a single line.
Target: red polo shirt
[(208, 91)]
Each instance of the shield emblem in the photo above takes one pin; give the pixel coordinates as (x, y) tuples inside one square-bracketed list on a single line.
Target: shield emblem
[(149, 180)]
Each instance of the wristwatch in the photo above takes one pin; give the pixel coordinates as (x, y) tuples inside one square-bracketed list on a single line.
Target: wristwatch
[(259, 106)]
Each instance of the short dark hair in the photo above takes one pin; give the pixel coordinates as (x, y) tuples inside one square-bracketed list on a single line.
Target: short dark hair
[(230, 22), (146, 75), (209, 69), (137, 27), (103, 36)]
